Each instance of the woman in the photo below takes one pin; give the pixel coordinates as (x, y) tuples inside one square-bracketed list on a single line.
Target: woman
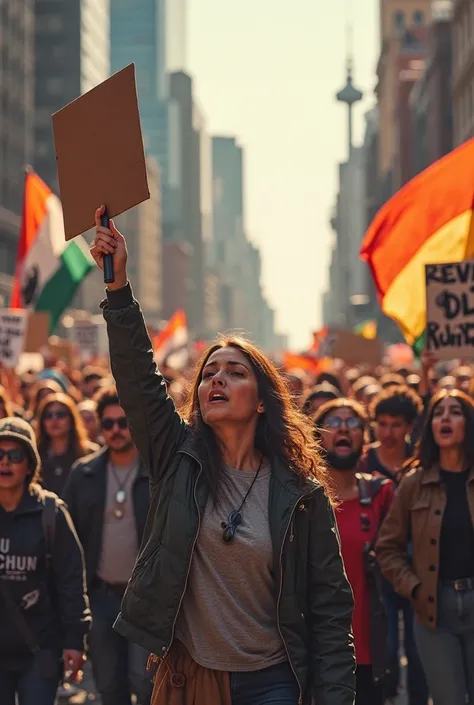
[(434, 510), (62, 439), (239, 589)]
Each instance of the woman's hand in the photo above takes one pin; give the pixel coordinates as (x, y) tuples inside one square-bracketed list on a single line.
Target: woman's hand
[(109, 241)]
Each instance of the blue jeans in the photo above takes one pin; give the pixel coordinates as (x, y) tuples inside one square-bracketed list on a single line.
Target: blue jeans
[(119, 667), (416, 681), (271, 686), (447, 652), (35, 685)]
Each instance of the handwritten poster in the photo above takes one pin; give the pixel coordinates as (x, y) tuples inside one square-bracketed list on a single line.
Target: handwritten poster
[(450, 310), (86, 335), (13, 326)]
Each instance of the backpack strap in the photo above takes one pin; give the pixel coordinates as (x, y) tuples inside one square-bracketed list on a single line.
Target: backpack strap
[(48, 519)]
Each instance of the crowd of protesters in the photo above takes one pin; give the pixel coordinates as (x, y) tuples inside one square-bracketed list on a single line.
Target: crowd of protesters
[(396, 442)]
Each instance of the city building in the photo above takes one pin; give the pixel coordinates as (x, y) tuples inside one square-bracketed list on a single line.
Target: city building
[(431, 100), (177, 279), (16, 126), (410, 64), (463, 70), (188, 216), (396, 17), (140, 36), (177, 35), (71, 57)]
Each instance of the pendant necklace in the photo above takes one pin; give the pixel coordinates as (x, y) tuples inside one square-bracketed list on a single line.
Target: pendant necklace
[(121, 493)]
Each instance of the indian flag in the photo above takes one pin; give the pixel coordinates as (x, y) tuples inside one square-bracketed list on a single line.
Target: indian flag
[(48, 269), (429, 221)]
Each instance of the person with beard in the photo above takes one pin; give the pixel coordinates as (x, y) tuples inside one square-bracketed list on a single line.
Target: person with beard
[(108, 498), (363, 503)]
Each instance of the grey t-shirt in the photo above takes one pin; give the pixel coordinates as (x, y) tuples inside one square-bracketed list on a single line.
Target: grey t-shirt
[(228, 618), (119, 536)]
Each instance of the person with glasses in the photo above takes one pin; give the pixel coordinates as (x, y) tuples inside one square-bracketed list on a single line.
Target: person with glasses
[(108, 498), (364, 501), (239, 590), (62, 439), (44, 610)]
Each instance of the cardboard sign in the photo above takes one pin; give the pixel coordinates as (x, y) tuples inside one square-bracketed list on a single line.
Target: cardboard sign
[(99, 152), (86, 335), (37, 331), (62, 350), (352, 348), (12, 336), (450, 310)]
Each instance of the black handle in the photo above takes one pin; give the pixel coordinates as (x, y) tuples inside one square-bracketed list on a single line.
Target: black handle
[(108, 259)]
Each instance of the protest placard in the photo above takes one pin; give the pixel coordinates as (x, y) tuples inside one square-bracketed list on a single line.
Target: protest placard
[(86, 335), (13, 325), (450, 310), (99, 152), (351, 348)]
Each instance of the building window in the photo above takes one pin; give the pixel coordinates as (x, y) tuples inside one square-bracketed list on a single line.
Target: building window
[(418, 18), (399, 21)]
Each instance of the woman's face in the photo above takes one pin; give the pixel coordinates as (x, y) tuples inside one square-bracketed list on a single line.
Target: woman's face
[(57, 420), (448, 423), (228, 389)]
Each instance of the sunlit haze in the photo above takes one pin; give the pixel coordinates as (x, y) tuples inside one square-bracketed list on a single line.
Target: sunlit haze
[(267, 71)]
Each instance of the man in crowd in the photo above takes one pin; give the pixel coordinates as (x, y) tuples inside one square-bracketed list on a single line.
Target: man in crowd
[(108, 497)]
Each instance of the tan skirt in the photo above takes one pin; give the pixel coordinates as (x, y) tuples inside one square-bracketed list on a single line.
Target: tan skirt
[(181, 681)]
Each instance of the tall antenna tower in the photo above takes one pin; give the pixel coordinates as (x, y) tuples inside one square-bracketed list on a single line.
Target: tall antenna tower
[(349, 94)]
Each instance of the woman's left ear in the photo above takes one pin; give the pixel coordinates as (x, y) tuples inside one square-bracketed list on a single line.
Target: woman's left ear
[(261, 408)]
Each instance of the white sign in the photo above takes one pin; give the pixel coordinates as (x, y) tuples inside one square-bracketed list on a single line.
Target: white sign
[(86, 335), (13, 325)]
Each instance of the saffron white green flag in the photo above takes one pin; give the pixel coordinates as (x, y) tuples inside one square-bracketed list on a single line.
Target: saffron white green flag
[(48, 269)]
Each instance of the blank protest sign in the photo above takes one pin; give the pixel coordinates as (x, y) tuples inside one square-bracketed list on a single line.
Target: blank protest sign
[(99, 152), (450, 310)]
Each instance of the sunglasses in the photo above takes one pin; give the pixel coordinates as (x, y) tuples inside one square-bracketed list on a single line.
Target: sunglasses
[(49, 415), (335, 422), (108, 424), (14, 455)]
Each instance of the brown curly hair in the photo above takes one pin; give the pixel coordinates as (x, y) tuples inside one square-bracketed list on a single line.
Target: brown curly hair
[(78, 435), (282, 432)]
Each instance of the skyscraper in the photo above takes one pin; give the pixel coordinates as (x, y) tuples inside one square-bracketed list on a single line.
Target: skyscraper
[(228, 199), (139, 35), (176, 35), (16, 124), (71, 57)]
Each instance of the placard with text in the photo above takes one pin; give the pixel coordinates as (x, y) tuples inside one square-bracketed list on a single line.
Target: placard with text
[(450, 310)]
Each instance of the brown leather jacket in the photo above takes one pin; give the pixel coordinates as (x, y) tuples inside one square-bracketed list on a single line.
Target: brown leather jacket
[(416, 515)]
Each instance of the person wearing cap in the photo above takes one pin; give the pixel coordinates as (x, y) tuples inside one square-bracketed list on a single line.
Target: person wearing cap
[(44, 609)]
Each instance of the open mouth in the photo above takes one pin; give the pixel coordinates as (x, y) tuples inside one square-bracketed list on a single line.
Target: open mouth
[(215, 397), (6, 473), (343, 446), (445, 431)]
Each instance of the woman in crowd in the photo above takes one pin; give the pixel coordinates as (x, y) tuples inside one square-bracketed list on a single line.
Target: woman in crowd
[(434, 510), (239, 589), (62, 439)]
